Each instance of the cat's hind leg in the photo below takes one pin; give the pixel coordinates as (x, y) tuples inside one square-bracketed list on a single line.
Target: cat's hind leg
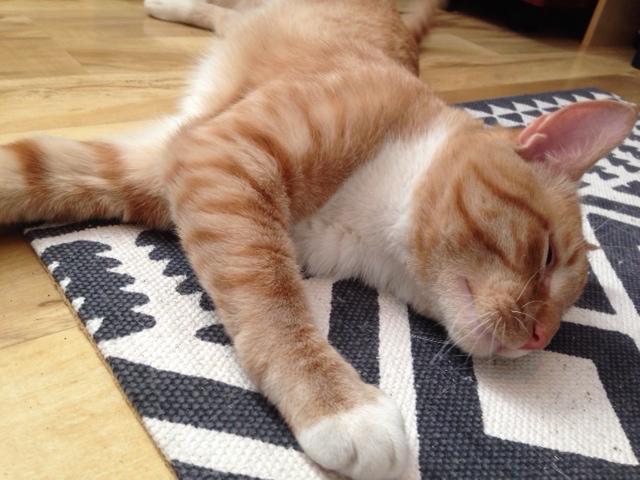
[(198, 13), (50, 178)]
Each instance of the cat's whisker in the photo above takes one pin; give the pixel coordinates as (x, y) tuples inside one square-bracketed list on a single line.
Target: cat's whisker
[(528, 282), (585, 241), (528, 315), (500, 322), (600, 226), (491, 329), (486, 320), (475, 330), (434, 359), (494, 335), (519, 320), (532, 301), (413, 335), (458, 319), (493, 339), (443, 350)]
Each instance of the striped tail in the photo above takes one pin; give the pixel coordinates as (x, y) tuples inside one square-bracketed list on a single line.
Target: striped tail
[(418, 16), (47, 178)]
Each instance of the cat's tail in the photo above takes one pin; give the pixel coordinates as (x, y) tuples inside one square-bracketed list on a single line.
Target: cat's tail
[(48, 178), (418, 16)]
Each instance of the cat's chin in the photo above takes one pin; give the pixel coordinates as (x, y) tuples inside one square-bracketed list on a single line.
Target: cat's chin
[(512, 354)]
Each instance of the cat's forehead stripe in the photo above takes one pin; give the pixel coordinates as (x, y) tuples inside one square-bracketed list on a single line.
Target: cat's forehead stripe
[(478, 233), (510, 198), (529, 251)]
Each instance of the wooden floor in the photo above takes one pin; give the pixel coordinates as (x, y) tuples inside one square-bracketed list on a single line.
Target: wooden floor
[(84, 68)]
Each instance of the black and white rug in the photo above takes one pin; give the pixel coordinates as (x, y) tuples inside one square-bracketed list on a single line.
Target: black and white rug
[(570, 412)]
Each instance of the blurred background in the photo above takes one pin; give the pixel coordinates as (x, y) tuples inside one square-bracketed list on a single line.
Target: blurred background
[(592, 22)]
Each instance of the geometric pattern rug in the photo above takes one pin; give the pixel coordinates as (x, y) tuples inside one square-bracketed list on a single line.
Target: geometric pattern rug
[(571, 411)]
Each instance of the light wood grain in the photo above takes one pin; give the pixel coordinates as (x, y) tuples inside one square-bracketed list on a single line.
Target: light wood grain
[(61, 416), (86, 68), (85, 100), (465, 53), (31, 307), (627, 87)]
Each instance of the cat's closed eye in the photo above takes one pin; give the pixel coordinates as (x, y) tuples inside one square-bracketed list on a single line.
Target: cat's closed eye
[(551, 257)]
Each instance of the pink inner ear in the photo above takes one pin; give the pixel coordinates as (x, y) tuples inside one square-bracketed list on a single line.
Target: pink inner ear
[(533, 146), (575, 137)]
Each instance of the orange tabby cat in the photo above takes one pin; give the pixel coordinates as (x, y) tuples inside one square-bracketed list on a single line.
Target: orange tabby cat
[(307, 139)]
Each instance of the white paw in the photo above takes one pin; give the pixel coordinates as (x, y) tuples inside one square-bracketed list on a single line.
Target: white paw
[(365, 443), (170, 10)]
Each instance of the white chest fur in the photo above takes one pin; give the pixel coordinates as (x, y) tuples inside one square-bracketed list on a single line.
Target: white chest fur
[(363, 230)]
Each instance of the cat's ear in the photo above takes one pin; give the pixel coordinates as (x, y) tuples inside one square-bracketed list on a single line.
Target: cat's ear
[(573, 138)]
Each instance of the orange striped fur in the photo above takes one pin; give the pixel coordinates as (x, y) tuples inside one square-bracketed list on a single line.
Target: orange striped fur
[(306, 138)]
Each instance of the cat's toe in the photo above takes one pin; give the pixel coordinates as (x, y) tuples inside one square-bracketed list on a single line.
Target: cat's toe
[(367, 442), (170, 10)]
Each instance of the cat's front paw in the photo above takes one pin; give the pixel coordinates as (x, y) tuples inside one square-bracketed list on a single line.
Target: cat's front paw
[(367, 442)]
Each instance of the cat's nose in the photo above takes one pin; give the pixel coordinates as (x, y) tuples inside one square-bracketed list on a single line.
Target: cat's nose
[(539, 339)]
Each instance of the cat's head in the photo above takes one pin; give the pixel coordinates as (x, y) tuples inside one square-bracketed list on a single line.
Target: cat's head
[(498, 238)]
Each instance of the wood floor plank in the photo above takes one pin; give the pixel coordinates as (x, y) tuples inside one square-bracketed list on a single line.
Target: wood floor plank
[(81, 100), (45, 58), (30, 305), (628, 87), (152, 54), (61, 416), (16, 26), (509, 70)]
